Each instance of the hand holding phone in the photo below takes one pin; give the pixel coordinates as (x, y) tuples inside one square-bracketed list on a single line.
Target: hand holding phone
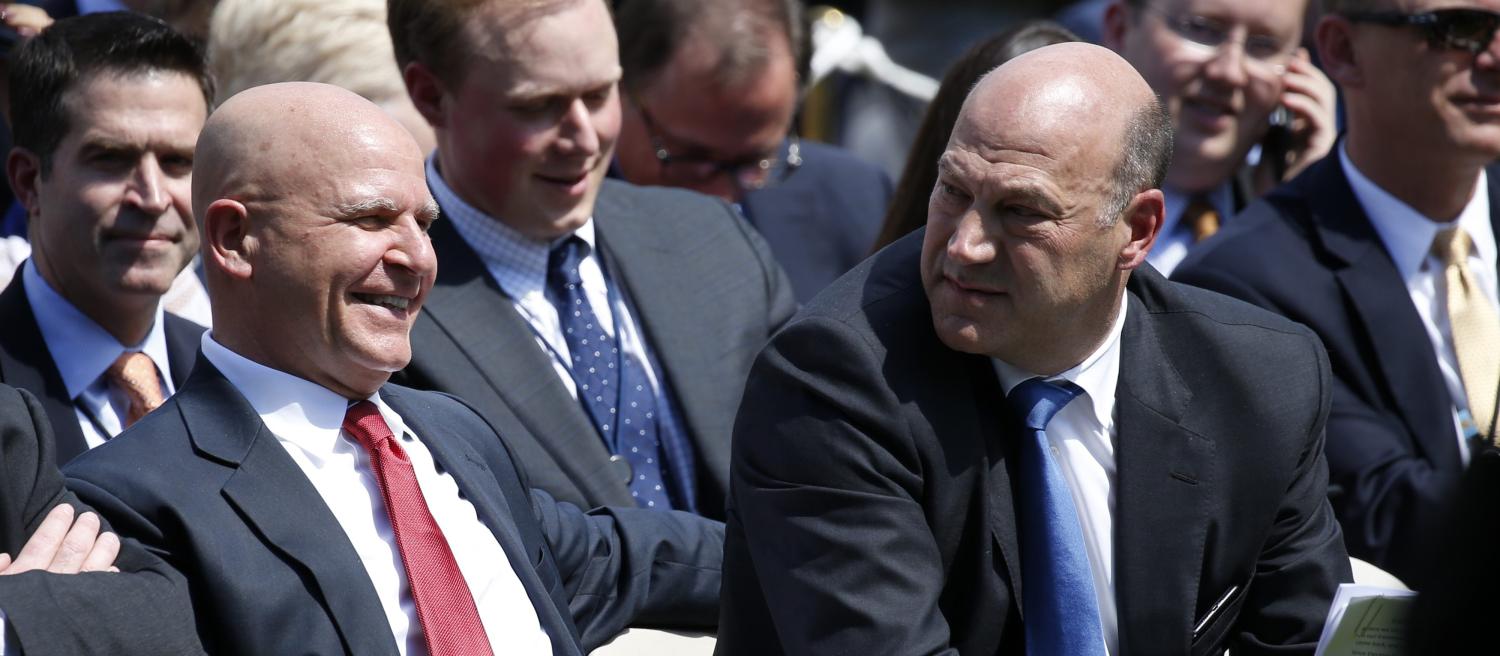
[(1310, 98)]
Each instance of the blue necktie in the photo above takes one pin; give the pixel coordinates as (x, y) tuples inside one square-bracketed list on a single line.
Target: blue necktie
[(1062, 613), (618, 397)]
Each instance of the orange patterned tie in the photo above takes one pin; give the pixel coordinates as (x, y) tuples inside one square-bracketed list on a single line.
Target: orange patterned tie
[(1201, 218), (135, 374)]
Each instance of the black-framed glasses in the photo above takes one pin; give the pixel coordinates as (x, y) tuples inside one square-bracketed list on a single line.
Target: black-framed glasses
[(1469, 30), (747, 174), (1264, 54)]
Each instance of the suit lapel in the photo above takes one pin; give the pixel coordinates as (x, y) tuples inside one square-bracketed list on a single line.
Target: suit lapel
[(468, 305), (1377, 292), (278, 501), (668, 313), (1161, 515), (26, 363)]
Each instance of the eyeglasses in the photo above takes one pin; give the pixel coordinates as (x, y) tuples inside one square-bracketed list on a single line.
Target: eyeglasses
[(1470, 30), (1265, 55), (747, 174)]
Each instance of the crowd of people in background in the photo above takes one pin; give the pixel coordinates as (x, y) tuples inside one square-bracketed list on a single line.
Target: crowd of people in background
[(545, 326)]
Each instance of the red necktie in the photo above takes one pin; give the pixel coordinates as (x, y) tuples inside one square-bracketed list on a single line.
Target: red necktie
[(445, 606)]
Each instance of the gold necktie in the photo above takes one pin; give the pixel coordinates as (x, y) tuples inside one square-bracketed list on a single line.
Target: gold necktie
[(1475, 326), (1201, 217), (135, 374)]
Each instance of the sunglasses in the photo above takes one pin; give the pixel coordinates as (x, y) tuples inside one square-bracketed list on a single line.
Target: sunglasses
[(1470, 30)]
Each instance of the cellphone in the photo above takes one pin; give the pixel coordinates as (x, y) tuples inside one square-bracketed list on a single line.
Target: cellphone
[(1277, 141)]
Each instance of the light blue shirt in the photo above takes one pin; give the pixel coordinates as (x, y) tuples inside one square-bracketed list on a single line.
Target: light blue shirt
[(83, 352)]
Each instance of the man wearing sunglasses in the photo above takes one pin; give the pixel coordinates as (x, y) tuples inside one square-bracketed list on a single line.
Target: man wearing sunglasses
[(1387, 250), (710, 90), (1233, 77)]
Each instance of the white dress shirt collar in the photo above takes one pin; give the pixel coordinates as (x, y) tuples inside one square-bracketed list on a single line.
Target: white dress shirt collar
[(518, 262), (1098, 374), (1406, 233), (82, 349), (296, 410)]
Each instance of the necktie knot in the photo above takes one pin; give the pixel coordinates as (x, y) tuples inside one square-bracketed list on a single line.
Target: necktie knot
[(363, 422), (563, 261), (1452, 245), (1201, 218), (135, 374), (1037, 401)]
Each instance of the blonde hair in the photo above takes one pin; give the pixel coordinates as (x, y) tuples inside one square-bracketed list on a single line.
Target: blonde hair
[(340, 42)]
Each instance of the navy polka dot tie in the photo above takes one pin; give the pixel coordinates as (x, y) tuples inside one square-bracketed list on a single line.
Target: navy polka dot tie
[(611, 385)]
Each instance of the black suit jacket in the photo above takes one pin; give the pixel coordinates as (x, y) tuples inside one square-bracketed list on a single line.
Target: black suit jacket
[(1309, 252), (705, 292), (822, 220), (26, 363), (143, 610), (872, 508), (204, 485)]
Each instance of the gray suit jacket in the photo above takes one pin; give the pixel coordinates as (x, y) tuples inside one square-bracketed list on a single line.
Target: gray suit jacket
[(705, 291), (143, 610), (873, 510), (204, 485)]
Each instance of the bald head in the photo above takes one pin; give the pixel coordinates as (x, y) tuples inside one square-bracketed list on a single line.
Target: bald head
[(267, 134), (314, 208), (1069, 98), (1042, 208)]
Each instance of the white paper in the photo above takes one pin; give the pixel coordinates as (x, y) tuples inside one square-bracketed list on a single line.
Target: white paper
[(1366, 620)]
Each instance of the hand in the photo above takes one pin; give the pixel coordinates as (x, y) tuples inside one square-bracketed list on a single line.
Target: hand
[(63, 546), (26, 20), (1311, 98)]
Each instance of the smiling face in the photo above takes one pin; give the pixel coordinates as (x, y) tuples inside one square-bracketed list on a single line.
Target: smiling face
[(526, 136), (1018, 261), (1425, 97), (113, 216), (340, 258), (1219, 98)]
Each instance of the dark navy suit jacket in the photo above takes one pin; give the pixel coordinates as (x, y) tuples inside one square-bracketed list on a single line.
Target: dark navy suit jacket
[(205, 486), (823, 219), (1309, 252)]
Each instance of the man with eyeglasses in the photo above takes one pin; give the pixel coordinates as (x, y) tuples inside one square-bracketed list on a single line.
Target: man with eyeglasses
[(710, 89), (1387, 250), (616, 323), (1238, 86)]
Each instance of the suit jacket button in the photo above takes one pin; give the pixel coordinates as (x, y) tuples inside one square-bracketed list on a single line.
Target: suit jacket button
[(622, 466)]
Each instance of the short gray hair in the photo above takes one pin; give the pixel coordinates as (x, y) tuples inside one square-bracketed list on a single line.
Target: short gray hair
[(1143, 165)]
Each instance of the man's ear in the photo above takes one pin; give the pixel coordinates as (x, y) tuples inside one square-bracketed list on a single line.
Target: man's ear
[(227, 245), (1143, 217), (1116, 21), (1335, 40), (426, 92), (23, 169)]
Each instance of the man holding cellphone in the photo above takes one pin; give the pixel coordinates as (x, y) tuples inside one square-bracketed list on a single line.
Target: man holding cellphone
[(1223, 67)]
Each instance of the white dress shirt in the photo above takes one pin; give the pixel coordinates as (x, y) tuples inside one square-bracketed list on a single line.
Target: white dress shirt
[(307, 420), (83, 352), (1407, 236), (1174, 240), (1082, 436), (519, 266)]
